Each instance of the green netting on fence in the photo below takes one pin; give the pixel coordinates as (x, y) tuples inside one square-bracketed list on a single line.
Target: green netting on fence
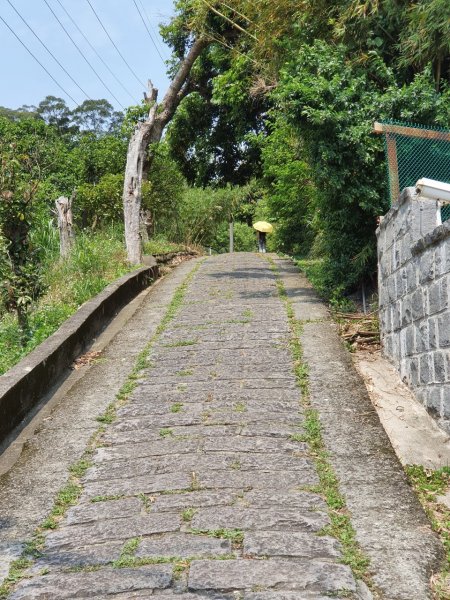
[(445, 213), (413, 152)]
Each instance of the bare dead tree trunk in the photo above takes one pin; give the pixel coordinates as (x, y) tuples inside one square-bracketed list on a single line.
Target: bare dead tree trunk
[(146, 225), (65, 225), (150, 132)]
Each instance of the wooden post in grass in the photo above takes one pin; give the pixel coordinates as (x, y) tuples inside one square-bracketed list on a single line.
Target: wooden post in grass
[(65, 225)]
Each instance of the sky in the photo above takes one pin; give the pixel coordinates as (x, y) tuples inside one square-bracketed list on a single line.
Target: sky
[(24, 82)]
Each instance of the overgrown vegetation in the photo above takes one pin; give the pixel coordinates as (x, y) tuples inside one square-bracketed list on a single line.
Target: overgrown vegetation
[(287, 98), (96, 260), (276, 125), (429, 485)]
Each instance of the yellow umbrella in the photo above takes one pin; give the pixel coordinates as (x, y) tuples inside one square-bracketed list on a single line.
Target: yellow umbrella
[(263, 226)]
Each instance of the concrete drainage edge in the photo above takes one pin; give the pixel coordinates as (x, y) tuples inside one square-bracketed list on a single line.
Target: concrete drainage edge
[(27, 382)]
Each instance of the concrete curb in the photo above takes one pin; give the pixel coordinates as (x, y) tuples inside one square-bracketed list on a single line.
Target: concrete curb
[(162, 259), (24, 385)]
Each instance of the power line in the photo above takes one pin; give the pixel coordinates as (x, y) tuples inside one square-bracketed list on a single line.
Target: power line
[(82, 55), (148, 31), (155, 31), (95, 51), (113, 43), (38, 61), (48, 50)]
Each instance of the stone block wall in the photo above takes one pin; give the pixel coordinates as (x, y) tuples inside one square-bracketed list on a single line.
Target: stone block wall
[(414, 288)]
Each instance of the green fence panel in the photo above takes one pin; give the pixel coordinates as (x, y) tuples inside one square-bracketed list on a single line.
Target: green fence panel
[(417, 157)]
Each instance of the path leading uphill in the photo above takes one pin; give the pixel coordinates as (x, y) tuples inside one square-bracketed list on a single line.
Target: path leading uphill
[(203, 484)]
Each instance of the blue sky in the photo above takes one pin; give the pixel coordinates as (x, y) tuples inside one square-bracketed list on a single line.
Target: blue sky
[(23, 81)]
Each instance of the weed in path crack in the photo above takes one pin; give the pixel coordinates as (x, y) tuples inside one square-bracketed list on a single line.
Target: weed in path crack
[(188, 514), (176, 407), (146, 501), (106, 498), (236, 536), (165, 432), (180, 569), (181, 343), (185, 372), (298, 437)]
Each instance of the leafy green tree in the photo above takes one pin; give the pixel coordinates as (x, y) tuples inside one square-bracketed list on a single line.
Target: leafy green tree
[(96, 116), (19, 262), (291, 193), (212, 135), (163, 193), (54, 111), (93, 157), (99, 204), (23, 112)]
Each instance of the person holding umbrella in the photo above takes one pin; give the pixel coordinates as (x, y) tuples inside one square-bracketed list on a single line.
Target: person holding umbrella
[(263, 228)]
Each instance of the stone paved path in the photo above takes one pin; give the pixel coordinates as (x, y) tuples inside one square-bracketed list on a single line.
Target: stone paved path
[(198, 481)]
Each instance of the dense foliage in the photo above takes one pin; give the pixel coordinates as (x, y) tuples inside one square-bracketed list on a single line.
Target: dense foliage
[(291, 89), (276, 125)]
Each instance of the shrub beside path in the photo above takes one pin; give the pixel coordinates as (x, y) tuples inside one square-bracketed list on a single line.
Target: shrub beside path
[(212, 476)]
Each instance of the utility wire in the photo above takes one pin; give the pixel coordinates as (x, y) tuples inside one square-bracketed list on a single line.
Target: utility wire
[(82, 55), (113, 43), (155, 31), (95, 51), (48, 50), (148, 31), (38, 61)]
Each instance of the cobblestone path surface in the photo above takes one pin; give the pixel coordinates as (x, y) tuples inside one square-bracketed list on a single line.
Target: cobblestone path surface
[(199, 488)]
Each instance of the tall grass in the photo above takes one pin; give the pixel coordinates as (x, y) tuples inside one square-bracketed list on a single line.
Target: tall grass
[(96, 260)]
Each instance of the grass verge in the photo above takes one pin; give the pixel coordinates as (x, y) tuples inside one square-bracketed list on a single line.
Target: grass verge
[(429, 485), (96, 260)]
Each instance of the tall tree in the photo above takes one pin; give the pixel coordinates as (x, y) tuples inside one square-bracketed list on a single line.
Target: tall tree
[(97, 116), (150, 132), (55, 112)]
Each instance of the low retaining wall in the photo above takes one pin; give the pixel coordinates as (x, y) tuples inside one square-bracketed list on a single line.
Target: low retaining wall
[(23, 386), (414, 286)]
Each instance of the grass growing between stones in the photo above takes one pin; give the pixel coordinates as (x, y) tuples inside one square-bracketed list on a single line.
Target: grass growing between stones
[(107, 498), (66, 497), (165, 432), (429, 485), (236, 536), (128, 559), (188, 514), (340, 525), (71, 492)]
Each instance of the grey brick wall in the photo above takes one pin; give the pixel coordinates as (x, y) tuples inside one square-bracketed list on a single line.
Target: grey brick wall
[(414, 287)]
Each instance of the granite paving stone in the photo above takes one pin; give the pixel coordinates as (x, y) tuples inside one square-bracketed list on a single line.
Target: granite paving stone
[(104, 510), (290, 544), (236, 517), (183, 545), (244, 574), (198, 485), (65, 586), (116, 529)]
